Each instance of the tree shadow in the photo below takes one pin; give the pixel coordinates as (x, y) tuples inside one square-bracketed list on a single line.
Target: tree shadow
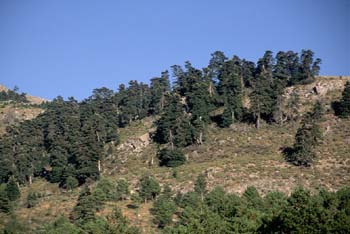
[(132, 206), (288, 153), (336, 107)]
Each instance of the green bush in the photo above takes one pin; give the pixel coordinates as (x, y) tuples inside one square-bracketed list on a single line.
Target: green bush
[(71, 183), (32, 199), (149, 188), (171, 157), (122, 190)]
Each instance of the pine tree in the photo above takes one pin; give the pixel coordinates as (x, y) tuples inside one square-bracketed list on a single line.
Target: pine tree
[(163, 208), (117, 223), (226, 118), (71, 183), (306, 138), (12, 190), (5, 203), (216, 64), (60, 225), (345, 102), (58, 161), (149, 188), (282, 74), (253, 198), (167, 191), (32, 199), (174, 126), (159, 88), (122, 189), (230, 88), (248, 71), (89, 151), (198, 95), (85, 208), (107, 188), (171, 157), (307, 68), (173, 110), (263, 96), (200, 186)]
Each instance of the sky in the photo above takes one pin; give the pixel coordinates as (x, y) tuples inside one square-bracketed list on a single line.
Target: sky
[(68, 48)]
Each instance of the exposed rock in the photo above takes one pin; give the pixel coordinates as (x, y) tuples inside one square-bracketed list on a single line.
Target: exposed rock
[(135, 144), (222, 142), (195, 154), (209, 172)]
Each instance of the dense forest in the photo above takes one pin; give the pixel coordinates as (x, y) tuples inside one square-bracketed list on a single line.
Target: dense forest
[(68, 138), (66, 145)]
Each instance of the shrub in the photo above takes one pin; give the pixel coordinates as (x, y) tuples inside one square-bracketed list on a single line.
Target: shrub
[(171, 157)]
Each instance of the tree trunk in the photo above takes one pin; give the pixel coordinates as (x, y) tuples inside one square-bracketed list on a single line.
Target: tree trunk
[(30, 180), (211, 89), (152, 160), (233, 116), (200, 140), (162, 102), (171, 140), (99, 165), (257, 123), (98, 136)]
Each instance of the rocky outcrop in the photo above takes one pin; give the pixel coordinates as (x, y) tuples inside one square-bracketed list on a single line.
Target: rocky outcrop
[(10, 115), (298, 99), (136, 144)]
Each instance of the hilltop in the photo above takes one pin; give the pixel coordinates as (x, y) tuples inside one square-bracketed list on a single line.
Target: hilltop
[(31, 99), (14, 113)]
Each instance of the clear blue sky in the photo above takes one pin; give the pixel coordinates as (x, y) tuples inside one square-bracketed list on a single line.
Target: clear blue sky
[(69, 47)]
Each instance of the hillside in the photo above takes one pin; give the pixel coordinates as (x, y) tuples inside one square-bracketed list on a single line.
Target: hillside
[(234, 158), (31, 99), (14, 113)]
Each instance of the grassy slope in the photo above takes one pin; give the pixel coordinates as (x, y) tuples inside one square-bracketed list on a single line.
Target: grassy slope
[(234, 158)]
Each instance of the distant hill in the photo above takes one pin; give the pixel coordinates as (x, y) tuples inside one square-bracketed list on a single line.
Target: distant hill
[(31, 99), (13, 113)]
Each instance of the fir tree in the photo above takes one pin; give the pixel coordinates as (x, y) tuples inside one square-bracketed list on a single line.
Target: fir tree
[(306, 138), (12, 190), (200, 186), (122, 189), (171, 157), (216, 64), (174, 126), (344, 105), (85, 208), (71, 183), (263, 96), (230, 88), (159, 88), (163, 209), (5, 203), (32, 199), (149, 188)]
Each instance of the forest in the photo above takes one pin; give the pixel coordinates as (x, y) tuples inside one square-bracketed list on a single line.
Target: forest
[(66, 145)]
